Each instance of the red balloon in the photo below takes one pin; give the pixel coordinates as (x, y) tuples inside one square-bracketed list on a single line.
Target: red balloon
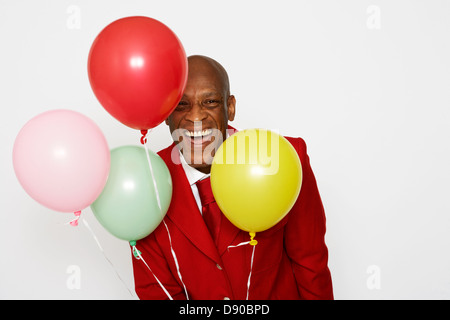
[(137, 69)]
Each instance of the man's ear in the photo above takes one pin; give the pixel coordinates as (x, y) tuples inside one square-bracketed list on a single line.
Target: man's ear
[(167, 121), (231, 104)]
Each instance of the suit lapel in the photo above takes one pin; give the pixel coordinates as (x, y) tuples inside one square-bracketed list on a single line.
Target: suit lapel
[(183, 210)]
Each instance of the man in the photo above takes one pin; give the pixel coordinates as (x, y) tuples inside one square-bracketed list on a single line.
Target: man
[(290, 260)]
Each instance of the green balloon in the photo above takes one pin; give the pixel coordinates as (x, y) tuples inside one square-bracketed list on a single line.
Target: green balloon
[(128, 206)]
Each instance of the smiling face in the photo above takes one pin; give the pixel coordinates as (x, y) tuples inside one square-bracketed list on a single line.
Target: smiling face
[(199, 122)]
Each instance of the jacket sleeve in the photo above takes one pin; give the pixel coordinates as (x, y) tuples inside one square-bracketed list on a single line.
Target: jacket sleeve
[(305, 236), (146, 286)]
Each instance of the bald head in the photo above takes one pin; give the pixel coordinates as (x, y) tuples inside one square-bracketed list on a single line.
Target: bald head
[(209, 67)]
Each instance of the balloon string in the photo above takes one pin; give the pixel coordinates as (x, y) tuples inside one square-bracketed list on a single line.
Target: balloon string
[(158, 199), (253, 243), (144, 142), (138, 256), (238, 245), (104, 255), (176, 261), (250, 274)]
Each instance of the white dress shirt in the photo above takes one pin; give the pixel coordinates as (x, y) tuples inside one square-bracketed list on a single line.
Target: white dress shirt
[(193, 175)]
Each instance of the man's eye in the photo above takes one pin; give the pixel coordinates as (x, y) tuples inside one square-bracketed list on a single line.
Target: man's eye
[(182, 105), (212, 102)]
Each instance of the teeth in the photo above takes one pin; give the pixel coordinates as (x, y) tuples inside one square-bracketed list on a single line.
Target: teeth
[(198, 133)]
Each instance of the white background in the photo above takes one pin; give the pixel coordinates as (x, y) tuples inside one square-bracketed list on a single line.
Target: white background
[(365, 83)]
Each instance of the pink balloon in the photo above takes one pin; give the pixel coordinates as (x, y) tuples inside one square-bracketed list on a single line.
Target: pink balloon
[(61, 159)]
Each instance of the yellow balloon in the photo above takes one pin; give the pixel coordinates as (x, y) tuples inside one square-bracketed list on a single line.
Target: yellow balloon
[(256, 176)]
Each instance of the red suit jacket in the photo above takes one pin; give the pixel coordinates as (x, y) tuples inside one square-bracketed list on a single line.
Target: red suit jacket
[(290, 260)]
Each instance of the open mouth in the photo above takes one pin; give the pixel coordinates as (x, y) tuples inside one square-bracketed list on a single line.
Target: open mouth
[(199, 137)]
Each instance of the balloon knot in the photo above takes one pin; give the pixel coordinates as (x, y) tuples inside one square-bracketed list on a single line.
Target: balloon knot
[(136, 252), (144, 136), (253, 242), (74, 222)]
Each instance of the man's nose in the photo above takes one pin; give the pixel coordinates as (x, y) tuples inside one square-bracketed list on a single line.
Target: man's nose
[(197, 113)]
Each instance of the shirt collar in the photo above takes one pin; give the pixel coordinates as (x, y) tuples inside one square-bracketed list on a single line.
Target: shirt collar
[(193, 175)]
